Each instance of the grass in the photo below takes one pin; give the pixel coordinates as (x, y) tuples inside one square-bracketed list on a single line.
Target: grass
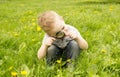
[(20, 37)]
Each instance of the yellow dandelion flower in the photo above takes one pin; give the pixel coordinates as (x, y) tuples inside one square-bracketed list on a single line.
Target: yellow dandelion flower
[(34, 24), (38, 28), (16, 34), (25, 27), (23, 19), (10, 68), (14, 74), (69, 60), (30, 12), (59, 61), (33, 19), (33, 39), (24, 72), (66, 14), (111, 8), (103, 51), (95, 12)]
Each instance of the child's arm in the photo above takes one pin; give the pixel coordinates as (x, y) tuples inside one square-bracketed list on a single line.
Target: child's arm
[(42, 51), (82, 43), (74, 34)]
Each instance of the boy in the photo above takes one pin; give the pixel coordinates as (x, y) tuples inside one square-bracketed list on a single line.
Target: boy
[(60, 41)]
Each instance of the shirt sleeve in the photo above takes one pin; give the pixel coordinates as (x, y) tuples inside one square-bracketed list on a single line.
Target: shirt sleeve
[(74, 30), (45, 37)]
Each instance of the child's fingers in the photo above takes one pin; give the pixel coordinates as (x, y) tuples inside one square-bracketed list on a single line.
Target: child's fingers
[(66, 32), (73, 36), (53, 39), (49, 42)]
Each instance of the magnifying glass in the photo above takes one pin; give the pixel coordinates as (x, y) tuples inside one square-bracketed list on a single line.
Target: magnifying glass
[(60, 34)]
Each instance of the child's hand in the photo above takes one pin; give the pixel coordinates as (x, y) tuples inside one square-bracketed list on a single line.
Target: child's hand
[(70, 33), (73, 35), (49, 41)]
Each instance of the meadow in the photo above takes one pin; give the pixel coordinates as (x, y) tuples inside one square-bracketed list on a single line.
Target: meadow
[(98, 21)]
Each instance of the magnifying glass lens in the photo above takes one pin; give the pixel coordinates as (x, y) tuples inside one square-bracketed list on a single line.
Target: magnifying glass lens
[(60, 34)]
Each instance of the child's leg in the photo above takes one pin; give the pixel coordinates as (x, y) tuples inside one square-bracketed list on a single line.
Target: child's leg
[(72, 51), (53, 53)]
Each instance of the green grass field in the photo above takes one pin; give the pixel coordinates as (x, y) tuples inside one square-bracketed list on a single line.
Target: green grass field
[(20, 37)]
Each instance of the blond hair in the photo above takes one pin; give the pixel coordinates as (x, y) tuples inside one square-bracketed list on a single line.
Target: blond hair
[(47, 18)]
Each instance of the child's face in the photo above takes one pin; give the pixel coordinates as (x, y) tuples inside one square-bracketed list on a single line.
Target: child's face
[(52, 27)]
